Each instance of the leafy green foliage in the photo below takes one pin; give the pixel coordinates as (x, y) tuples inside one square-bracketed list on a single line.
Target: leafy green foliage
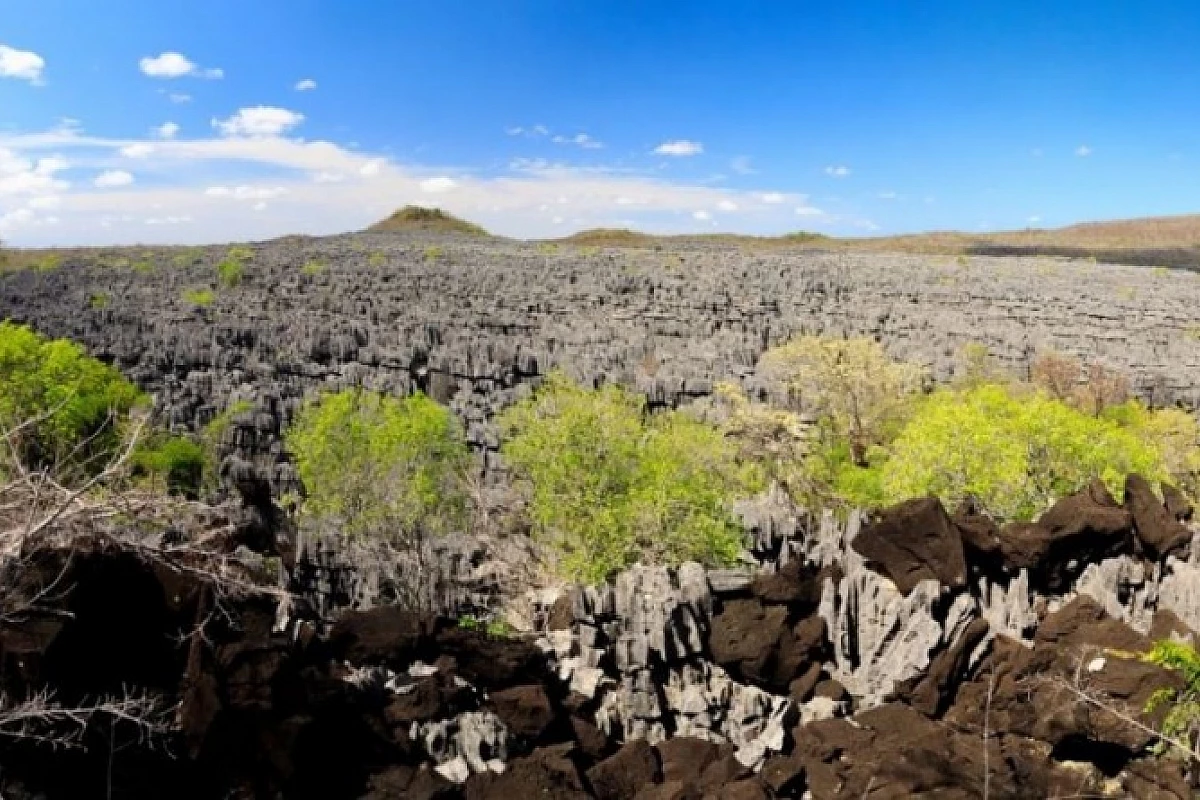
[(1015, 451), (313, 267), (99, 300), (177, 461), (201, 298), (377, 259), (492, 628), (1181, 720), (611, 486), (433, 253), (230, 272), (77, 401), (374, 465)]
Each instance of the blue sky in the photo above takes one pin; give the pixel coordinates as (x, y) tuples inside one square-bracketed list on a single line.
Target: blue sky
[(137, 121)]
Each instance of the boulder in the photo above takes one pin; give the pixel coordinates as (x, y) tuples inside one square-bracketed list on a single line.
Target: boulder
[(1177, 503), (526, 711), (794, 584), (1157, 529), (546, 774), (912, 542), (621, 776)]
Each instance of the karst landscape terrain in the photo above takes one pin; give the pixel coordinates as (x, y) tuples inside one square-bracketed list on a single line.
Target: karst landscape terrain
[(421, 512)]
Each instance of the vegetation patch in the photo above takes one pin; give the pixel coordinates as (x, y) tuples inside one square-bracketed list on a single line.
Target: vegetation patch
[(200, 298), (419, 218), (610, 485)]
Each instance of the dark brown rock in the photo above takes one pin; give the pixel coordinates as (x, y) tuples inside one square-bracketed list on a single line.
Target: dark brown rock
[(685, 758), (934, 692), (1159, 531), (795, 584), (784, 775), (622, 776), (1177, 503), (801, 689), (382, 635), (912, 542), (526, 711), (547, 773)]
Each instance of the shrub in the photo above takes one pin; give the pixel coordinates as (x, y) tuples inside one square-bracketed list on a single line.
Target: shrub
[(144, 267), (230, 272), (313, 267), (374, 465), (99, 300), (433, 253), (1016, 452), (77, 400), (610, 486), (201, 298), (852, 383), (1181, 722), (178, 461), (379, 258)]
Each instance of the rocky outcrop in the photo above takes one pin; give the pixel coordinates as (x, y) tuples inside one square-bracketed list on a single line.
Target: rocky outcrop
[(484, 319)]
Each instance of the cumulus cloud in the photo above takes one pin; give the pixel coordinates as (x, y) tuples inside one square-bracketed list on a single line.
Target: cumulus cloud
[(171, 65), (113, 178), (167, 130), (29, 177), (306, 85), (259, 121), (437, 185), (702, 216), (21, 64), (1083, 151), (679, 147), (837, 171), (137, 150)]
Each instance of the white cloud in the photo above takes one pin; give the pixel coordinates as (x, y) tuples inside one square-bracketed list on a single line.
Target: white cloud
[(679, 147), (21, 64), (1034, 220), (46, 202), (1083, 151), (809, 211), (837, 171), (306, 85), (175, 65), (741, 165), (581, 139), (372, 168), (167, 130), (113, 178), (26, 177), (246, 192), (259, 121), (137, 150), (320, 187), (174, 220), (439, 184), (179, 98)]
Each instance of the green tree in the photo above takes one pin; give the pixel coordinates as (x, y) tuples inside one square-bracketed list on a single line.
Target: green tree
[(851, 383), (610, 485), (1015, 451), (1180, 725), (378, 466), (65, 407)]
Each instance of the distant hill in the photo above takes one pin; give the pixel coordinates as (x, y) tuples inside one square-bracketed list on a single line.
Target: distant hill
[(1151, 241), (418, 218)]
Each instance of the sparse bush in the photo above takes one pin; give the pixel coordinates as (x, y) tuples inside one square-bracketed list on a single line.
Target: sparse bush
[(380, 467), (433, 253), (143, 267), (240, 253), (313, 267), (1057, 373), (230, 272), (76, 401), (1092, 389), (851, 383), (201, 298), (99, 300), (611, 486)]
